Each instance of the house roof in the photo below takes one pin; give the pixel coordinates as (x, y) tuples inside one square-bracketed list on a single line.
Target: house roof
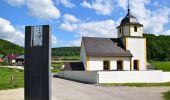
[(1, 60), (73, 66), (11, 56), (20, 57), (105, 47)]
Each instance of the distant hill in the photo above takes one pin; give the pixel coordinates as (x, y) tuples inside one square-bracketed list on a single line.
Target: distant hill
[(158, 47), (66, 51), (7, 47)]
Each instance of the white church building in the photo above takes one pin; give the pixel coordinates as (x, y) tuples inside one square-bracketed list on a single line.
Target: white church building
[(115, 60), (127, 52)]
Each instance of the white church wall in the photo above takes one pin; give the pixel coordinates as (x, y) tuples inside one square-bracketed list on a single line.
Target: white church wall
[(96, 63), (137, 47), (83, 55)]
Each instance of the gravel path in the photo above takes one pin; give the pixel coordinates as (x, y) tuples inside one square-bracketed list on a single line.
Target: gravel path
[(70, 90)]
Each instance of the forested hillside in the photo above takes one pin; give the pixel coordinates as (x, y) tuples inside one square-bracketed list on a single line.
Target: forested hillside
[(158, 47), (7, 47), (66, 51)]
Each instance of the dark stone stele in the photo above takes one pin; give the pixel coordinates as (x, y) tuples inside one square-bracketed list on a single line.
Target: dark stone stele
[(37, 70)]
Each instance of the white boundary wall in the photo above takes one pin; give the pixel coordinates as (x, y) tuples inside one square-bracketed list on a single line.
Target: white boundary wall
[(130, 76), (84, 76), (156, 76), (166, 76)]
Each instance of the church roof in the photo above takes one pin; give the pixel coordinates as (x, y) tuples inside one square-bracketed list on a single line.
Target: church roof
[(130, 19), (105, 47)]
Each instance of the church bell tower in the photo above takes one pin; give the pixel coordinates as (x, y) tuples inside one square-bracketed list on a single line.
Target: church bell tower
[(130, 31)]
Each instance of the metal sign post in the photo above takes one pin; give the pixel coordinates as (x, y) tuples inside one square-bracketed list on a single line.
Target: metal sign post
[(37, 63)]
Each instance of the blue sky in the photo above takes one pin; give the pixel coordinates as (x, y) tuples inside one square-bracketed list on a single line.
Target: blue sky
[(72, 19)]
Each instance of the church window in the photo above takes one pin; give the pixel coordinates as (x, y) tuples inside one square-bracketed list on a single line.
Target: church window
[(135, 28), (120, 30)]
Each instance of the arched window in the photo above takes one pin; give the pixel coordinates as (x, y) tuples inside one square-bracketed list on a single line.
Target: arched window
[(135, 28), (120, 30)]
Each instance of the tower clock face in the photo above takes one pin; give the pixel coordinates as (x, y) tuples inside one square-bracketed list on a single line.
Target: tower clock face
[(37, 33)]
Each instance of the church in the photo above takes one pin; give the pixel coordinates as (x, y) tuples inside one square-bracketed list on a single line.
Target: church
[(127, 52), (115, 60)]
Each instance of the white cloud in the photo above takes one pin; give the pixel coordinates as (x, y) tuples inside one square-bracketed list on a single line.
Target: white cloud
[(70, 18), (68, 26), (43, 9), (166, 32), (15, 34), (67, 3), (153, 21), (54, 40), (103, 7), (104, 28), (40, 9), (15, 2), (10, 33)]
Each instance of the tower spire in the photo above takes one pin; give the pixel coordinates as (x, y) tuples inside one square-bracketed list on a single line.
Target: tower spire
[(128, 6)]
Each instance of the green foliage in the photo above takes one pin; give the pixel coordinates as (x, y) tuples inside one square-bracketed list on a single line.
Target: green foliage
[(66, 51), (158, 47), (161, 65), (4, 63), (56, 67), (59, 64), (167, 95), (7, 47), (55, 70), (5, 76)]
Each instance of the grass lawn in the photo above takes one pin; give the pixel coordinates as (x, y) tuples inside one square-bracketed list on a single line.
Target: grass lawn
[(5, 78), (137, 84), (55, 70), (161, 65), (167, 95)]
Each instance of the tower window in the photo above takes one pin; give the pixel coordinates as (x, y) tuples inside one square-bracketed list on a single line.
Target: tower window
[(120, 30), (135, 28)]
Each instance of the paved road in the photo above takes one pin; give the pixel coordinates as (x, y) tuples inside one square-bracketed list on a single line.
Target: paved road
[(70, 90)]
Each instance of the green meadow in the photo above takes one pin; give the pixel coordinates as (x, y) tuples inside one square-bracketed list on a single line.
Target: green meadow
[(161, 65), (7, 75)]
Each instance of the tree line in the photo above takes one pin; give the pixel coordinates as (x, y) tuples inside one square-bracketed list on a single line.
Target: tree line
[(158, 47), (66, 51)]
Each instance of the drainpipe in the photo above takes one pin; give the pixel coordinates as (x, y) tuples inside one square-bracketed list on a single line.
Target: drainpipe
[(97, 78), (131, 64)]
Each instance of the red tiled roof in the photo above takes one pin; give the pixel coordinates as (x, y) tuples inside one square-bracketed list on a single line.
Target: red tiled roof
[(11, 56), (1, 60)]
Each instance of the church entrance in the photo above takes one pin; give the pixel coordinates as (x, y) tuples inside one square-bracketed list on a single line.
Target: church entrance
[(119, 65), (136, 64), (106, 65)]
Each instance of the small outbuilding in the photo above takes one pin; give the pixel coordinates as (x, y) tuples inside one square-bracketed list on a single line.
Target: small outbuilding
[(20, 60)]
